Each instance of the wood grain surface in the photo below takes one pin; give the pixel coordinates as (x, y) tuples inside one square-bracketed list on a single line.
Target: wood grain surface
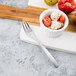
[(31, 15)]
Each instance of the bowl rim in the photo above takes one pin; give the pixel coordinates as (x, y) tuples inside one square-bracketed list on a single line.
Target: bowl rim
[(43, 13)]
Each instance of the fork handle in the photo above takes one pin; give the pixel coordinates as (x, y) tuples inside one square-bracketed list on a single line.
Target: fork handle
[(47, 53), (50, 56)]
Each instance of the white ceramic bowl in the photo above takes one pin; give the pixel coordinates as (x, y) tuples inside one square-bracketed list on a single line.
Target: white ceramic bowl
[(49, 32)]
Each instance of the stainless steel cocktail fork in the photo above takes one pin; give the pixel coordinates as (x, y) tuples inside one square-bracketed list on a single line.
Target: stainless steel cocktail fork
[(32, 35)]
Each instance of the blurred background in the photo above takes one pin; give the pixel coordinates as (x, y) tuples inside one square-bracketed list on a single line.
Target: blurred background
[(15, 3)]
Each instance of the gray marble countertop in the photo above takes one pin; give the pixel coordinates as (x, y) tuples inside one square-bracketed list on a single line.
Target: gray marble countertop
[(19, 58), (15, 3)]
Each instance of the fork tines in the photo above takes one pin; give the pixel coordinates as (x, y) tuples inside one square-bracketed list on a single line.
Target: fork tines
[(26, 27)]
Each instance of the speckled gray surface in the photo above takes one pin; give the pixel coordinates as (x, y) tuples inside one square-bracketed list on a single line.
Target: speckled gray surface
[(15, 3), (18, 58)]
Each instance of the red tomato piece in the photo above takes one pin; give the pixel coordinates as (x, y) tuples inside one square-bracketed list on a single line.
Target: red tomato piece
[(62, 19), (47, 21)]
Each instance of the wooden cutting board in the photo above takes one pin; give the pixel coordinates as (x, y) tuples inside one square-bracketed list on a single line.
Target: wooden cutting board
[(31, 15)]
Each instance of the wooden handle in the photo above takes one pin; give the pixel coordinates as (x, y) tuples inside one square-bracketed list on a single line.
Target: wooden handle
[(31, 15)]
